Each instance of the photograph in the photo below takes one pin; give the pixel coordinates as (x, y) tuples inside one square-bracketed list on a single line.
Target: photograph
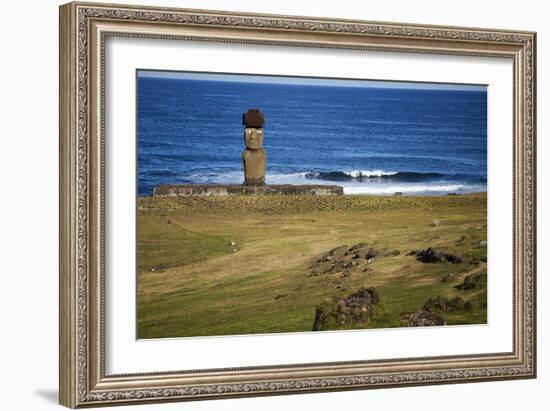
[(279, 204)]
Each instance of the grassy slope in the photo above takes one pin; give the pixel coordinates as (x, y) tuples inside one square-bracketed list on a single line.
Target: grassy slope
[(191, 282)]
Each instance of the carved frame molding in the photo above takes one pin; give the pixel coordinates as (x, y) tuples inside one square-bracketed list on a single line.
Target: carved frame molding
[(84, 28)]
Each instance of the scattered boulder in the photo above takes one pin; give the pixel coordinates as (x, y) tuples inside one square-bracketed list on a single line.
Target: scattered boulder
[(160, 268), (362, 250), (473, 281), (321, 268), (422, 318), (433, 255), (483, 243), (448, 278), (442, 304), (338, 251), (358, 309), (345, 259), (477, 260)]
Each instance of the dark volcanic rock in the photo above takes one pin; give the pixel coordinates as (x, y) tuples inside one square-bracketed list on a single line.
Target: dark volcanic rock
[(448, 278), (442, 304), (345, 259), (355, 310), (422, 318), (473, 281), (433, 255), (338, 251)]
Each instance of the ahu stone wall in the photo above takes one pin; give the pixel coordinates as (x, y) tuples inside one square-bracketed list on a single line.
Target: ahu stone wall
[(185, 190)]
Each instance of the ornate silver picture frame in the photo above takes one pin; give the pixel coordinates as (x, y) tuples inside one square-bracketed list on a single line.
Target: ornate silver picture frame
[(84, 30)]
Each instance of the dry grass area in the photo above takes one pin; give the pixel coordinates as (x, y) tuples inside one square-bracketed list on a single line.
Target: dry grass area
[(240, 264)]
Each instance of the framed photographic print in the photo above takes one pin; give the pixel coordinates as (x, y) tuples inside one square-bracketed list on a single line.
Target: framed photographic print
[(259, 204)]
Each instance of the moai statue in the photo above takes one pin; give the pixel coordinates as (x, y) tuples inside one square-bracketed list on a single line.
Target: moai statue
[(254, 155)]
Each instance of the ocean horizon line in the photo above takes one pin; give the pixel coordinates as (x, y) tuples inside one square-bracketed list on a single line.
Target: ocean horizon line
[(270, 79)]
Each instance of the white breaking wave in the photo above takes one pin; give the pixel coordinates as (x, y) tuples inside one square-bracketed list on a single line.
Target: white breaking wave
[(228, 177), (291, 178), (375, 187), (408, 189), (287, 178), (369, 173)]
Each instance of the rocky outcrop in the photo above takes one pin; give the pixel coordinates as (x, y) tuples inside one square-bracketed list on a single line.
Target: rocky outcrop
[(426, 316), (472, 281), (434, 255), (356, 310), (345, 259), (422, 318), (443, 304), (448, 278)]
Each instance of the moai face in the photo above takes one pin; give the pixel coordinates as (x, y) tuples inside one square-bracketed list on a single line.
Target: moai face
[(253, 138)]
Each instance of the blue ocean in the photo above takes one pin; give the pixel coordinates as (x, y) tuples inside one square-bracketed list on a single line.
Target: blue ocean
[(370, 140)]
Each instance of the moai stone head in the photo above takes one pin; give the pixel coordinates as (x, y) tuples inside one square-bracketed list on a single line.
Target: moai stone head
[(254, 138)]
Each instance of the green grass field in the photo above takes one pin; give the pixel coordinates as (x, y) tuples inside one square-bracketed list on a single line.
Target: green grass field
[(240, 264)]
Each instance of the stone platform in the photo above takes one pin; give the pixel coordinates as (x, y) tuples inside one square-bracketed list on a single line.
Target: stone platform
[(186, 190)]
